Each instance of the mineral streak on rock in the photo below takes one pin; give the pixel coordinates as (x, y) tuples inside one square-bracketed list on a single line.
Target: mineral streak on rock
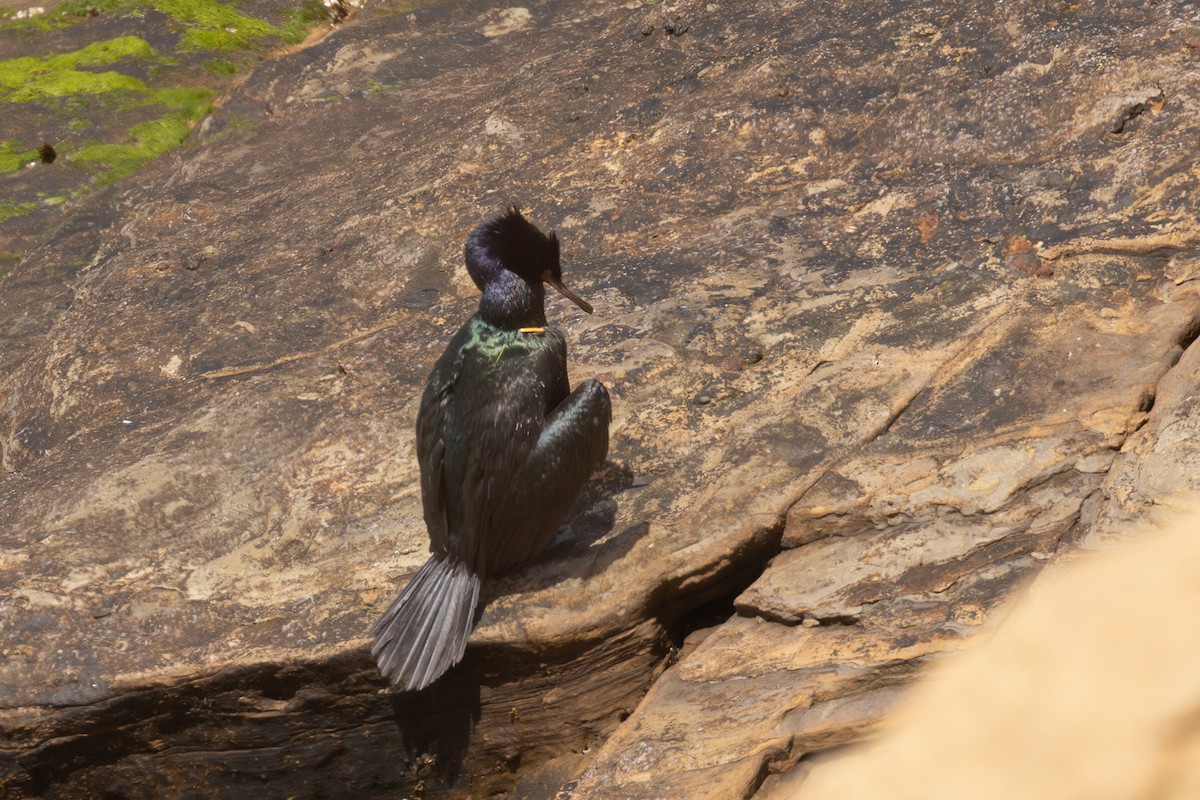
[(207, 388)]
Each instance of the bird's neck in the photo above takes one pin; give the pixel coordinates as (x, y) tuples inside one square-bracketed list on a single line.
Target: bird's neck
[(509, 302)]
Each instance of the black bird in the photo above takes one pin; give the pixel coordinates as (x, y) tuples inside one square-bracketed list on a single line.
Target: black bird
[(504, 447)]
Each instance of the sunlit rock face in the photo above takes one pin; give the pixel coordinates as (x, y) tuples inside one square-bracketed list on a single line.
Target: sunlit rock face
[(888, 298)]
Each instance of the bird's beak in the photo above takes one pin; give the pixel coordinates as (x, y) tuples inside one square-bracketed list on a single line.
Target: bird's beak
[(549, 278)]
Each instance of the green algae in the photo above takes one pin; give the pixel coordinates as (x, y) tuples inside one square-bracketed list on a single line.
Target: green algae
[(9, 209), (103, 53), (207, 24), (31, 80), (301, 21), (151, 139), (213, 14), (197, 40), (85, 8), (71, 83), (193, 101), (221, 66), (204, 20), (42, 23), (13, 157)]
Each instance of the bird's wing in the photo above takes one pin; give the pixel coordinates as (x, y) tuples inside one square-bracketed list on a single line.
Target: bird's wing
[(431, 441), (551, 470)]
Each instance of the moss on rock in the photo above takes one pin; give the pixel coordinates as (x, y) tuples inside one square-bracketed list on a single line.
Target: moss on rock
[(110, 105)]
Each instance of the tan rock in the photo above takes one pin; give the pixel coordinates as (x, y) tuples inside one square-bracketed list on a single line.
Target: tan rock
[(1089, 688)]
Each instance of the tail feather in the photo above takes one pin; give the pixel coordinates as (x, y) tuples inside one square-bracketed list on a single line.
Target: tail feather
[(446, 622), (396, 626), (410, 613), (419, 631), (424, 632)]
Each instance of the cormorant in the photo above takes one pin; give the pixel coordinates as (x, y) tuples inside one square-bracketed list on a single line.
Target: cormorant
[(504, 448)]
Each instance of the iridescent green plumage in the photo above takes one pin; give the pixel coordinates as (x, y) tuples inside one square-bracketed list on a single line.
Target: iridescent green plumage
[(504, 448)]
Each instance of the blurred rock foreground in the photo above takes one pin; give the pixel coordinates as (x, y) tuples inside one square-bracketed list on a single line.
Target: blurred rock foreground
[(1086, 696), (891, 298)]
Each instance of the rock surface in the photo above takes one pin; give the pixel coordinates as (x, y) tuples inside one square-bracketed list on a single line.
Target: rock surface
[(881, 295), (1087, 694)]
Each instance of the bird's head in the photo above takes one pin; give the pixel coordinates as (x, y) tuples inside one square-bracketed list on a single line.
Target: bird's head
[(510, 243)]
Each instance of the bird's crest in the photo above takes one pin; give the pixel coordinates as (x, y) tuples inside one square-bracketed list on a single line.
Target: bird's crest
[(511, 242)]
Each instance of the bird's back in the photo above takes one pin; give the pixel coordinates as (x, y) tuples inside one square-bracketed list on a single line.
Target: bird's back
[(481, 417)]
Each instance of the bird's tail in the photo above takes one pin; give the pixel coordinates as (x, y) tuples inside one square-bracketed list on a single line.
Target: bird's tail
[(424, 632)]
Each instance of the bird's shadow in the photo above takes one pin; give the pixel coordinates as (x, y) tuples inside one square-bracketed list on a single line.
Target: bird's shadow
[(588, 531), (436, 725)]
